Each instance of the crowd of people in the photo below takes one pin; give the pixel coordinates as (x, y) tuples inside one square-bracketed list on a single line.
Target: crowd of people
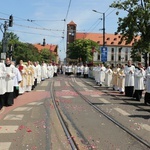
[(128, 79), (18, 79)]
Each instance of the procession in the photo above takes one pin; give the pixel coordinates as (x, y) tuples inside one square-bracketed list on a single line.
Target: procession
[(130, 80), (17, 79)]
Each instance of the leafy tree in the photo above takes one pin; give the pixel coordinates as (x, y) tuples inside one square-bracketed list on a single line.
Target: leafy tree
[(81, 50), (25, 52), (47, 56), (136, 23)]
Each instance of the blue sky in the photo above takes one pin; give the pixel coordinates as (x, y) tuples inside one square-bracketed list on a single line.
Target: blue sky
[(38, 19)]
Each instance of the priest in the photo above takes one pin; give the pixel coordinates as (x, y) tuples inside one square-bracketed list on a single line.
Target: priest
[(129, 79), (2, 83), (10, 74)]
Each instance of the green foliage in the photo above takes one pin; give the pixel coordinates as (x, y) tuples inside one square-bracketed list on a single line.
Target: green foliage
[(81, 50), (47, 56), (26, 51), (136, 23)]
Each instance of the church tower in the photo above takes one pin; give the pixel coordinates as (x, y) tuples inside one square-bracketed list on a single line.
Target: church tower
[(71, 35)]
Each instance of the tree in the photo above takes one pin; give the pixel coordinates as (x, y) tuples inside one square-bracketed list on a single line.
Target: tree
[(47, 56), (136, 23), (25, 52), (81, 50)]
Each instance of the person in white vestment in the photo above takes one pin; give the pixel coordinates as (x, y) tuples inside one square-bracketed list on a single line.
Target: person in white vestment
[(82, 68), (129, 79), (96, 74), (63, 68), (30, 76), (101, 74), (108, 76), (51, 70), (86, 71), (79, 70), (70, 70), (2, 84), (139, 76), (22, 69), (38, 66), (43, 71), (147, 86), (115, 77), (35, 68), (17, 80), (10, 74), (55, 70), (121, 79)]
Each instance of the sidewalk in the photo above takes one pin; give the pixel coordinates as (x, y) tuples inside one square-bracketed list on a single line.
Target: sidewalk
[(26, 98)]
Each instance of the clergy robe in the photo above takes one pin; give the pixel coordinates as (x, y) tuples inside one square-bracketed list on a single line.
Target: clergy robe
[(108, 77), (129, 80), (17, 80), (38, 73), (9, 95), (101, 75), (22, 84), (121, 80), (43, 71), (147, 86), (30, 77), (86, 72), (115, 78), (2, 83), (55, 70), (139, 86)]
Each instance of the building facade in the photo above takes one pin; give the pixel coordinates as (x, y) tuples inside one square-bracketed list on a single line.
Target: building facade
[(116, 52)]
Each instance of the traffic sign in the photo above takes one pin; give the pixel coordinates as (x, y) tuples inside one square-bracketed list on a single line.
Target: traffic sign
[(103, 54)]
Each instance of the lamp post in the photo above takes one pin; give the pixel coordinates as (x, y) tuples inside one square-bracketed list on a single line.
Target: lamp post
[(103, 26)]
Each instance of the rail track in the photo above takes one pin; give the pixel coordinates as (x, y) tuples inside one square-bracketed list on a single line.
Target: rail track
[(68, 133), (112, 119), (72, 143)]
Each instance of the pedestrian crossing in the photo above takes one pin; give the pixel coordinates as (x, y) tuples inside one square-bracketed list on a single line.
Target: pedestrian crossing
[(12, 129)]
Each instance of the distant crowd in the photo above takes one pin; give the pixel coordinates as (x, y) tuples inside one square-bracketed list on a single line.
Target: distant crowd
[(127, 79)]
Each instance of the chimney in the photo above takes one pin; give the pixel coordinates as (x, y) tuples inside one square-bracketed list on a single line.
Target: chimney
[(44, 42)]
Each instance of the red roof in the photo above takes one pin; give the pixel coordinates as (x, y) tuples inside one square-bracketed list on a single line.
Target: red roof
[(47, 46), (71, 23), (110, 39)]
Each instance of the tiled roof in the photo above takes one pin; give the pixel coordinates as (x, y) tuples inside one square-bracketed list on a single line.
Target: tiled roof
[(110, 39), (71, 23), (47, 46)]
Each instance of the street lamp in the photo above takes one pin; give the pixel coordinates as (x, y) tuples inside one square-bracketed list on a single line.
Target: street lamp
[(103, 26)]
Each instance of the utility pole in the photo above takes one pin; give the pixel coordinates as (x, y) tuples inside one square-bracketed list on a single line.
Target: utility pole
[(103, 26), (7, 24)]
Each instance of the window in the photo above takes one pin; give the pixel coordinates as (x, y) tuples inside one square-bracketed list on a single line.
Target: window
[(126, 54), (119, 57), (112, 50), (112, 57)]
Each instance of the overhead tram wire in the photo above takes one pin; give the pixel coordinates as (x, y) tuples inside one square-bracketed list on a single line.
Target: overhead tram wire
[(37, 28), (66, 23), (91, 28), (34, 22), (34, 33)]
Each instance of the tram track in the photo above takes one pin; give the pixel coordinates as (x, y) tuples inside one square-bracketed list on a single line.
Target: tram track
[(100, 111), (138, 138), (72, 143)]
